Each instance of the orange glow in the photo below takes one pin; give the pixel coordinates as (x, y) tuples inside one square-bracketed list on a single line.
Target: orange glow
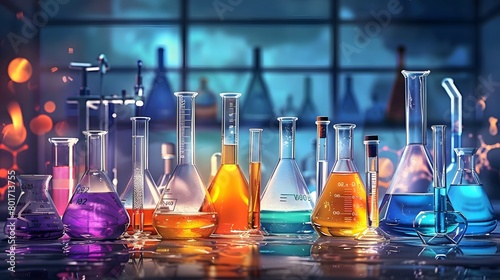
[(70, 50), (61, 128), (386, 169), (482, 154), (64, 79), (49, 107), (41, 124), (10, 86), (493, 125), (20, 70), (3, 173), (14, 134), (54, 69), (19, 15)]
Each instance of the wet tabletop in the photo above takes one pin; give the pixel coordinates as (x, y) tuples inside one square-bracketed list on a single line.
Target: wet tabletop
[(252, 257)]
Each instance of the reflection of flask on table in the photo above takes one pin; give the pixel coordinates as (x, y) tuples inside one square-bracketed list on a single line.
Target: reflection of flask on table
[(258, 107), (286, 202), (206, 103)]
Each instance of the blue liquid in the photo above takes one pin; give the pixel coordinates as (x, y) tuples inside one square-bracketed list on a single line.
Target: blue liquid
[(472, 201), (398, 211), (291, 222)]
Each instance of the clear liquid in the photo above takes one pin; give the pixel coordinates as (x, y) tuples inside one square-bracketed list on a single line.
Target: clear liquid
[(296, 222), (401, 210), (472, 201), (185, 225)]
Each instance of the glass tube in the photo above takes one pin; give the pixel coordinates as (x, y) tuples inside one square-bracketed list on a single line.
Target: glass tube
[(321, 154), (138, 159), (255, 177)]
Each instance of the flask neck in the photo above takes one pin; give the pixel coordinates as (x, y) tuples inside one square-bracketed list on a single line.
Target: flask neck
[(63, 151), (161, 60), (416, 106), (185, 127), (439, 163), (140, 127), (256, 59), (96, 150), (230, 127), (466, 163), (255, 145), (343, 145), (456, 142), (287, 126)]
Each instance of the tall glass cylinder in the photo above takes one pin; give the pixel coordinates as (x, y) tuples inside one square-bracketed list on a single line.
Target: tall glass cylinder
[(138, 160), (229, 188), (63, 171), (255, 159), (321, 153)]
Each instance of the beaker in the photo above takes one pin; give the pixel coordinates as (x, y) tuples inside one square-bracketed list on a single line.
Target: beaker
[(95, 211), (440, 226), (286, 203), (255, 174), (410, 190), (35, 216), (168, 156), (341, 208), (140, 129), (468, 196), (229, 188), (322, 123), (185, 209), (63, 171)]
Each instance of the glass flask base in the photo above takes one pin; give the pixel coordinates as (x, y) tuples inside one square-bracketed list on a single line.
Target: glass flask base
[(372, 234), (50, 228), (182, 226), (148, 220), (454, 226), (480, 228), (297, 222)]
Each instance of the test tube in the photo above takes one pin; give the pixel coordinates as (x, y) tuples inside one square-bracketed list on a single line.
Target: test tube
[(138, 159), (255, 177), (321, 154)]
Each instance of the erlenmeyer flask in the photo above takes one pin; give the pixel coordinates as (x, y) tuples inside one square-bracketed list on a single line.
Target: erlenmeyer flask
[(349, 108), (286, 203), (206, 103), (308, 111), (185, 209), (229, 188), (468, 196), (411, 188), (95, 210), (35, 215), (258, 108), (341, 207), (140, 129)]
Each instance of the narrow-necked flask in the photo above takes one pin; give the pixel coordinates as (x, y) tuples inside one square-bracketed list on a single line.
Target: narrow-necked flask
[(95, 210), (206, 103), (468, 196), (341, 207), (63, 171), (140, 130), (308, 110), (286, 203), (185, 209), (35, 215), (349, 108), (411, 187), (229, 188)]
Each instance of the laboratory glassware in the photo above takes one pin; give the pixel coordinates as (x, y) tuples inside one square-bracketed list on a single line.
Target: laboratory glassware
[(215, 162), (35, 216), (467, 195), (136, 213), (185, 209), (286, 203), (410, 190), (341, 207), (372, 233), (441, 225), (160, 102), (322, 123), (140, 129), (95, 211), (258, 107), (206, 103), (456, 126), (63, 171), (395, 111), (308, 110), (255, 159), (229, 188), (168, 156), (349, 108)]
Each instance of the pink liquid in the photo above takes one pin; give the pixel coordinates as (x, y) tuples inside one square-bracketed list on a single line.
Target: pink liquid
[(63, 183)]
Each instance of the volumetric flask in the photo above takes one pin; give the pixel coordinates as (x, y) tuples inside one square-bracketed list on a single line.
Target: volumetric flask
[(185, 209), (63, 171), (411, 187), (35, 216), (468, 196), (286, 203), (341, 207), (95, 211), (229, 188), (140, 133)]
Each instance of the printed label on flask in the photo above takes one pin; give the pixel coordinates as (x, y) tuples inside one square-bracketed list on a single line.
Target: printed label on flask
[(284, 197), (169, 204)]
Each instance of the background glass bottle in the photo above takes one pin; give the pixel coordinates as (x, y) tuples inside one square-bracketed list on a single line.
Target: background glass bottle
[(229, 188), (185, 209), (63, 171), (341, 208), (95, 210), (286, 203)]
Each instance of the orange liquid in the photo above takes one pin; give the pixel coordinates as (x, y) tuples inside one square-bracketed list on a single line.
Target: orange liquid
[(230, 197), (148, 220), (180, 226), (254, 214), (341, 208)]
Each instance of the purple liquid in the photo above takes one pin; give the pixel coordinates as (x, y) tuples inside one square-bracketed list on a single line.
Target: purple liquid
[(95, 216), (35, 226)]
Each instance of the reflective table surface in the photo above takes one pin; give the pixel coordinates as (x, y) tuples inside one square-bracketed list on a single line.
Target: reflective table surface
[(251, 257)]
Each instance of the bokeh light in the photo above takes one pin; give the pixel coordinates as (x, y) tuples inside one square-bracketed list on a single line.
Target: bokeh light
[(41, 124), (20, 70), (49, 106), (62, 128), (14, 134)]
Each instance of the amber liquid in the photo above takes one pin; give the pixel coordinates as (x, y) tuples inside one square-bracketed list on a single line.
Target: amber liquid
[(341, 208), (181, 225), (230, 194), (254, 213), (148, 220)]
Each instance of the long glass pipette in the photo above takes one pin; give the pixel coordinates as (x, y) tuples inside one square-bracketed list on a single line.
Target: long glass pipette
[(321, 154)]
